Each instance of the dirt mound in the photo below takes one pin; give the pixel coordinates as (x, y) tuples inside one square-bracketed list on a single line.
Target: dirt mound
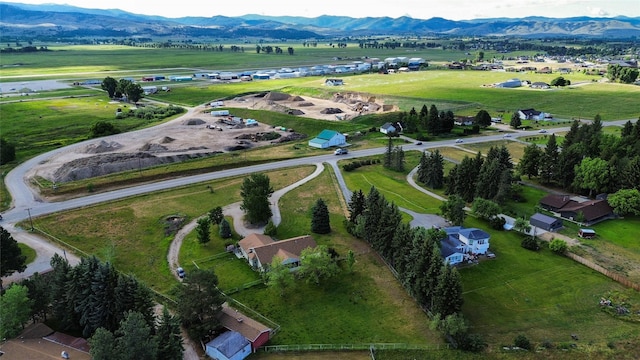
[(104, 164), (306, 103), (277, 96), (102, 147), (331, 111), (295, 112), (297, 98), (153, 148), (166, 140), (195, 121), (294, 136)]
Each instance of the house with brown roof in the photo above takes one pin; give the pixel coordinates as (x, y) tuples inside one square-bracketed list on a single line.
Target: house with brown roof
[(259, 250), (573, 208), (252, 330)]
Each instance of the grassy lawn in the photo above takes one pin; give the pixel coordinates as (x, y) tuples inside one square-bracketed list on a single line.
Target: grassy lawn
[(392, 185), (542, 139), (27, 251), (540, 294), (516, 149), (365, 306), (130, 233)]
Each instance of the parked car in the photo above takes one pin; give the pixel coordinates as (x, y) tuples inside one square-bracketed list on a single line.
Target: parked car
[(180, 272), (341, 151), (458, 141)]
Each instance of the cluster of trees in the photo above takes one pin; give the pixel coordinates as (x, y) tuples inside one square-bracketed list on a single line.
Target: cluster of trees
[(431, 170), (214, 216), (623, 74), (316, 265), (102, 128), (375, 44), (413, 253), (488, 178), (268, 49), (123, 87), (151, 112), (359, 163), (589, 162), (394, 157), (428, 120)]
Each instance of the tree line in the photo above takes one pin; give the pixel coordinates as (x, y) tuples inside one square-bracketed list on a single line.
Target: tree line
[(414, 256)]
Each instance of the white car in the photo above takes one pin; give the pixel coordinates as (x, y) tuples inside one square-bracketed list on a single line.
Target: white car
[(543, 131), (180, 272), (458, 141), (507, 135), (341, 151)]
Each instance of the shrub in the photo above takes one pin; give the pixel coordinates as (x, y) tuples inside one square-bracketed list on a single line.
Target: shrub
[(497, 222), (530, 243), (522, 342), (558, 246)]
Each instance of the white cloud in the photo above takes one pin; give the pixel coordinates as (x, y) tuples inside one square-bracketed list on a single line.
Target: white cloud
[(596, 11)]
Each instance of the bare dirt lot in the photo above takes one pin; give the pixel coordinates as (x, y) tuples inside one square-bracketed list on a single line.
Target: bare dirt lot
[(198, 133)]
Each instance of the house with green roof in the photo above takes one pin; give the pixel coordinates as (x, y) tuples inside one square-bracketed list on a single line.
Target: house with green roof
[(327, 139)]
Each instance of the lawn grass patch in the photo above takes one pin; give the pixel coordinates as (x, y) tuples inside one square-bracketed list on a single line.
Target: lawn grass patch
[(516, 149), (540, 294), (131, 232), (28, 252)]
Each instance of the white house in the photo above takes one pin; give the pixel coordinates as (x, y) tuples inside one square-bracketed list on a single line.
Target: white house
[(511, 83), (260, 250), (230, 345), (530, 114), (391, 128), (469, 240), (327, 139)]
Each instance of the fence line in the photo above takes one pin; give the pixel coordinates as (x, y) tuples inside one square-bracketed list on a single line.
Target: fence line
[(245, 309), (353, 347), (610, 274)]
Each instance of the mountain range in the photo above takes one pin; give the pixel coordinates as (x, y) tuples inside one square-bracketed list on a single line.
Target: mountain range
[(65, 21)]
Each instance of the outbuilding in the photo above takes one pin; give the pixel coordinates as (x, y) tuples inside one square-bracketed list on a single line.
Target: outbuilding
[(230, 345), (545, 222), (327, 139), (587, 233)]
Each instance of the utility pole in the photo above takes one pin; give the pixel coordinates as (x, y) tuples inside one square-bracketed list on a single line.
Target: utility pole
[(30, 220)]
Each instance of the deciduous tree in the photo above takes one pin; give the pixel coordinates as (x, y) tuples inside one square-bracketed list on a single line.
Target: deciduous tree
[(11, 258), (316, 264), (255, 192), (625, 201), (453, 210), (15, 309)]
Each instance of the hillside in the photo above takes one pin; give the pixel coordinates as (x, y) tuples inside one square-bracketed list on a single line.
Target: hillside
[(22, 20)]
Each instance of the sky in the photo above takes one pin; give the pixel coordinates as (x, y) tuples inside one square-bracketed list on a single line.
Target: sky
[(418, 9)]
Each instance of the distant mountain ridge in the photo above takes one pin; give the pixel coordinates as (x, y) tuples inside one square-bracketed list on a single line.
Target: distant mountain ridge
[(69, 21)]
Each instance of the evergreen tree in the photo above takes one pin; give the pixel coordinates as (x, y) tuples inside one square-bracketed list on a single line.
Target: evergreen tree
[(530, 163), (203, 230), (134, 340), (432, 275), (571, 137), (548, 168), (433, 121), (7, 151), (504, 192), (357, 205), (169, 337), (389, 222), (102, 345), (483, 118), (448, 294), (424, 117), (388, 154), (451, 181), (11, 258), (100, 308), (60, 278), (435, 173), (515, 120), (423, 168), (568, 159), (466, 177), (199, 303), (255, 192), (397, 159), (320, 222), (447, 122), (400, 245), (39, 289), (225, 229), (374, 206), (488, 179)]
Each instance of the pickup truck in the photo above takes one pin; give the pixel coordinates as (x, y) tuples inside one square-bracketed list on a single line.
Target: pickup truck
[(341, 151)]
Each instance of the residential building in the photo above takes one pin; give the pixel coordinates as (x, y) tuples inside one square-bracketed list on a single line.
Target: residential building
[(576, 208), (255, 332), (259, 250), (468, 240), (530, 114), (545, 222), (230, 345)]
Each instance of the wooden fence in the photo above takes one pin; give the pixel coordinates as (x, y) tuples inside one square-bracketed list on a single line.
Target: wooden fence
[(353, 347), (610, 274)]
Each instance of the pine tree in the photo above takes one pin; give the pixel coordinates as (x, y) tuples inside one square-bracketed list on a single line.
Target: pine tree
[(388, 154), (255, 192), (433, 121), (548, 170), (515, 121), (320, 222), (225, 229), (203, 230), (357, 205), (529, 165), (435, 178), (448, 293), (11, 258), (423, 168), (169, 337), (134, 340)]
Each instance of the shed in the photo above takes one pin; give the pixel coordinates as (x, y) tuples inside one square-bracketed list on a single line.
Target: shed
[(327, 139), (388, 128), (587, 233), (545, 222), (254, 331), (230, 345)]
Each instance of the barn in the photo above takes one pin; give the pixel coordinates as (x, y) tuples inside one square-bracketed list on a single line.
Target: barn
[(327, 139), (545, 222)]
